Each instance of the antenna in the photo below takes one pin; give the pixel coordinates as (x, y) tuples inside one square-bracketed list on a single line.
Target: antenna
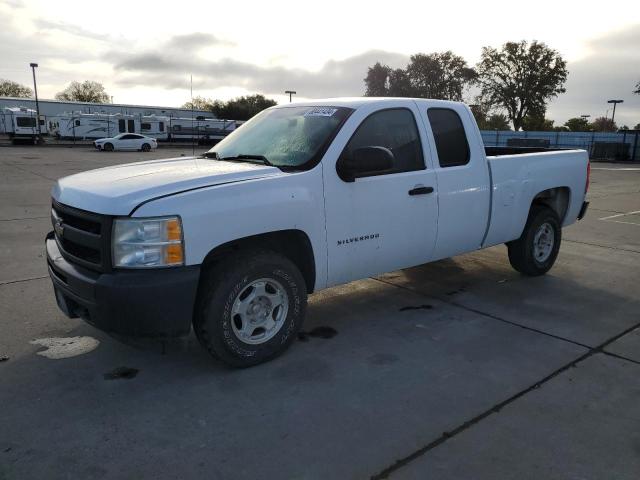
[(193, 147)]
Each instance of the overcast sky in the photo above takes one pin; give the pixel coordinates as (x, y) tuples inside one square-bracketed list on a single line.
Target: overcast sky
[(144, 52)]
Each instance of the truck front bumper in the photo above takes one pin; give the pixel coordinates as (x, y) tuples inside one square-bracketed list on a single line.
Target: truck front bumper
[(141, 303)]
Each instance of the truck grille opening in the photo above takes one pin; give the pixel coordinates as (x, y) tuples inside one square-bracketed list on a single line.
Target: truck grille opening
[(83, 237)]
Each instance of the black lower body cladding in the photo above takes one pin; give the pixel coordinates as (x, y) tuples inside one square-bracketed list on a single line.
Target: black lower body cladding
[(142, 303)]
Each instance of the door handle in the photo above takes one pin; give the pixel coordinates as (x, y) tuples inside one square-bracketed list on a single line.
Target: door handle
[(420, 191)]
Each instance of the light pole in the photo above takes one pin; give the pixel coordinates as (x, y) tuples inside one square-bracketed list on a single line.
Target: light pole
[(291, 93), (584, 117), (615, 102), (35, 89)]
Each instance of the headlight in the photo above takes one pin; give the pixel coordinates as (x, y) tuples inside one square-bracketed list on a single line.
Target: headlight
[(147, 242)]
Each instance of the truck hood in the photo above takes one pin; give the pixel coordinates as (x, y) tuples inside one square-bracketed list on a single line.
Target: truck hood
[(118, 190)]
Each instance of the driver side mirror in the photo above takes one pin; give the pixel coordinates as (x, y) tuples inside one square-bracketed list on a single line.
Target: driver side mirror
[(364, 161)]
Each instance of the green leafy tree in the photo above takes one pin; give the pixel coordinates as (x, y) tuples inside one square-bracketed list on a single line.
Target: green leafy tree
[(498, 121), (400, 84), (199, 103), (435, 75), (577, 124), (537, 123), (441, 76), (242, 108), (520, 78), (637, 127), (603, 124), (87, 91), (13, 89), (377, 80), (487, 120)]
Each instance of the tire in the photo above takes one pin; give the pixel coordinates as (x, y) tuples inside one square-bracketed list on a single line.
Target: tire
[(108, 147), (244, 288), (146, 147), (535, 252)]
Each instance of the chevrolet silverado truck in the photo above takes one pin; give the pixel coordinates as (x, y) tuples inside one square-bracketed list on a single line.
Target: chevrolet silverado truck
[(302, 197)]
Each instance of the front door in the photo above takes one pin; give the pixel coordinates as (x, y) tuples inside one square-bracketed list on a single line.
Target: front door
[(388, 220)]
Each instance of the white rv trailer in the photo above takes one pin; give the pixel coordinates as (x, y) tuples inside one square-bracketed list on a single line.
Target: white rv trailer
[(20, 123), (80, 126), (200, 129), (155, 126)]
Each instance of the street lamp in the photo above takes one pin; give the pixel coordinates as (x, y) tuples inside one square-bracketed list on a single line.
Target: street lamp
[(615, 102), (584, 116), (291, 93), (35, 89)]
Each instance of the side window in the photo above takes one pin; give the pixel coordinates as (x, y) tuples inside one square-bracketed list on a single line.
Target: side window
[(121, 127), (450, 137), (145, 126), (130, 125), (161, 126), (396, 130), (77, 123)]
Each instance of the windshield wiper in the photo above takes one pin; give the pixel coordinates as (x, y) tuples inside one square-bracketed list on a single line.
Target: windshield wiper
[(242, 157)]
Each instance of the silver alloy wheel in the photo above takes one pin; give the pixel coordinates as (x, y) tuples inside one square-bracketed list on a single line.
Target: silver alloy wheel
[(259, 311), (543, 242)]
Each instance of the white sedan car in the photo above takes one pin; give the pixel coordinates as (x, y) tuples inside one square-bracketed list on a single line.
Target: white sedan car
[(126, 141)]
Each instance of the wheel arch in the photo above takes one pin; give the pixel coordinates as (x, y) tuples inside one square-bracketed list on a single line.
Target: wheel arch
[(557, 199), (293, 244)]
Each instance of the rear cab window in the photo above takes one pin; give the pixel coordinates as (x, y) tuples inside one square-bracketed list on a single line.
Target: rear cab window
[(450, 137)]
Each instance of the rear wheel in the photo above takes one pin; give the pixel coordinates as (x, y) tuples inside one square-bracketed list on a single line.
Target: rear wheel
[(250, 308), (535, 252), (108, 147), (146, 147)]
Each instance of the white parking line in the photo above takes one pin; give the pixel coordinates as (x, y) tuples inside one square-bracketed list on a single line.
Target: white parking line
[(624, 169), (619, 215)]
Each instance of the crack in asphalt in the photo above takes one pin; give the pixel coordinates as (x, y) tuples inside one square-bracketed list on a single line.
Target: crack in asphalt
[(601, 246), (398, 464), (9, 282), (448, 301)]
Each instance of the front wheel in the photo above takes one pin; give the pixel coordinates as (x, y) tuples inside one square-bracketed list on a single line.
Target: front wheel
[(535, 252), (108, 147), (250, 308)]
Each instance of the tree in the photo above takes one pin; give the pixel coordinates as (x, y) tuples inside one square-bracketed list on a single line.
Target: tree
[(377, 81), (400, 84), (441, 76), (199, 103), (87, 91), (537, 123), (521, 78), (435, 75), (242, 108), (487, 120), (603, 124), (637, 127), (577, 124), (13, 89), (637, 90)]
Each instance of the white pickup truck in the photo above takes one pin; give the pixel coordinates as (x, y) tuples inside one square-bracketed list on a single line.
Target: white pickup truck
[(300, 198)]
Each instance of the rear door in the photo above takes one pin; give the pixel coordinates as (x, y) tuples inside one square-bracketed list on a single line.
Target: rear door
[(463, 177), (388, 220)]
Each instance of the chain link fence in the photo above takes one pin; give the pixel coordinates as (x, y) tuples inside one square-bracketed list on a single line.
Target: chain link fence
[(621, 147)]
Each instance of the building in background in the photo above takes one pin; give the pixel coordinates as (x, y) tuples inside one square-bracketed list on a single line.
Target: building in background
[(50, 108)]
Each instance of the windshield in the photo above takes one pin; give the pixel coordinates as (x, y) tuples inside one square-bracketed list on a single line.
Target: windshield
[(285, 137)]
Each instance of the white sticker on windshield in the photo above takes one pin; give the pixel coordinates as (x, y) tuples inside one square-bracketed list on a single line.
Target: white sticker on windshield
[(321, 112)]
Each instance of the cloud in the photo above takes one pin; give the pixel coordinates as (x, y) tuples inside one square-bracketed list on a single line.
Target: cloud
[(334, 78), (611, 70), (197, 40), (70, 29)]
